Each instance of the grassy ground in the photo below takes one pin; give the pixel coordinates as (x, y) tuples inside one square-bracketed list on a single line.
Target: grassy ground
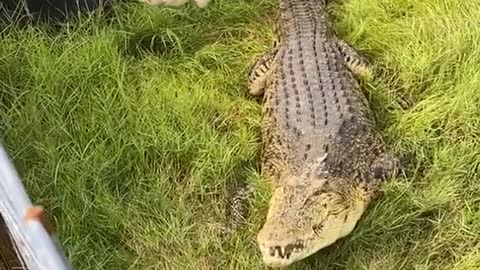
[(129, 131)]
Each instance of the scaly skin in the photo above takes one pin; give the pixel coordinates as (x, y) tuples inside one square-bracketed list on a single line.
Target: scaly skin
[(320, 149), (237, 208)]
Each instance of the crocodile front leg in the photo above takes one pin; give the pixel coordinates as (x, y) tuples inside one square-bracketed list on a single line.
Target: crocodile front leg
[(355, 62), (259, 73)]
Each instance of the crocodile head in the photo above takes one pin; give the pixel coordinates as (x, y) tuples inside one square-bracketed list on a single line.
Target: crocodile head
[(304, 218)]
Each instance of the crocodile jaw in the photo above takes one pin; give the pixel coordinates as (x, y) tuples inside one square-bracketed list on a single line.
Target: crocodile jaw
[(278, 255), (279, 250), (279, 260)]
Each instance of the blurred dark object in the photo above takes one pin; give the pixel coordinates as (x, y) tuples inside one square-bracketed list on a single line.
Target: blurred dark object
[(8, 256), (52, 11)]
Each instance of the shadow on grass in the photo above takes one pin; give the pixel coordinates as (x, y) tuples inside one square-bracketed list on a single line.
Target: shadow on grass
[(170, 32), (162, 42)]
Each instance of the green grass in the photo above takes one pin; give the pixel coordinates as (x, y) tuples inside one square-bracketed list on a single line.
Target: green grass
[(130, 130)]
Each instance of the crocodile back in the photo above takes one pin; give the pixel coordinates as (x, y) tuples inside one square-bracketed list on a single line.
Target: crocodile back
[(314, 108)]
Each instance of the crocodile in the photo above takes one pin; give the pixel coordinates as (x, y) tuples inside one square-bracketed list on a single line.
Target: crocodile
[(236, 209), (321, 152)]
